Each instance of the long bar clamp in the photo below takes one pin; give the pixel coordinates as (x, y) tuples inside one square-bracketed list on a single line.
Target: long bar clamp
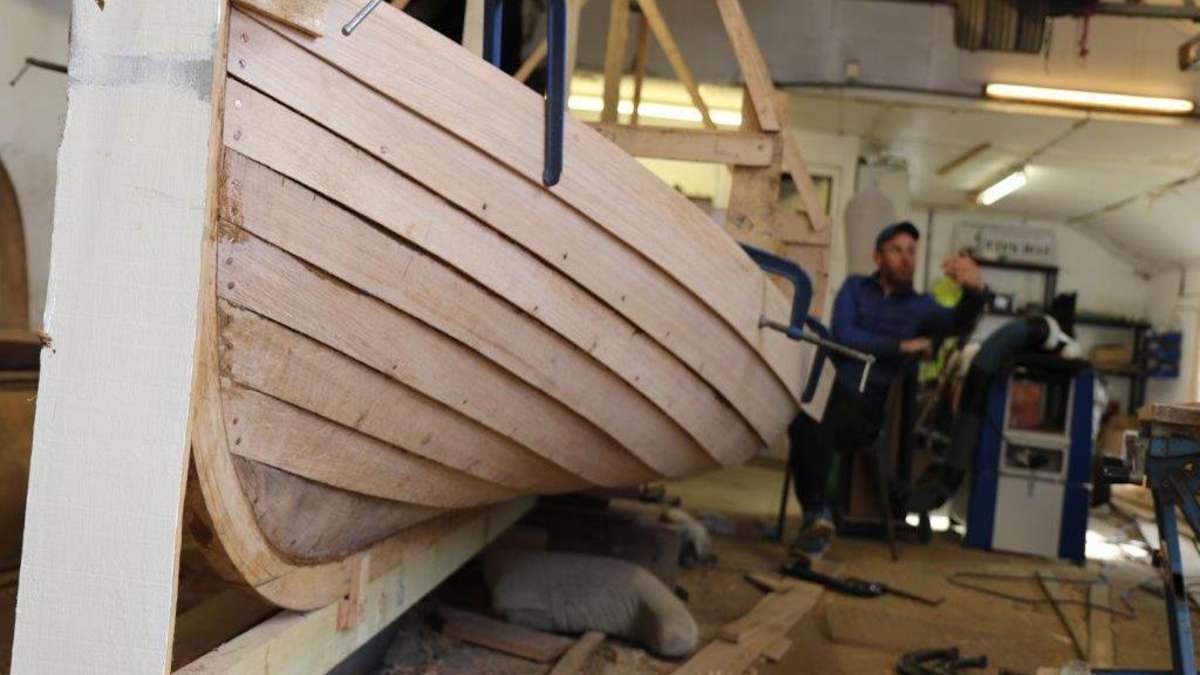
[(802, 326)]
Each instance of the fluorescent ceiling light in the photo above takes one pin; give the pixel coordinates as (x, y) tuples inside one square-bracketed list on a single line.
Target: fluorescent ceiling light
[(662, 111), (1090, 99), (1002, 188)]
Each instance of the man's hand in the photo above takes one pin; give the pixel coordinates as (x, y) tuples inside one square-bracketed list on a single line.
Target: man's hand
[(964, 270), (918, 345)]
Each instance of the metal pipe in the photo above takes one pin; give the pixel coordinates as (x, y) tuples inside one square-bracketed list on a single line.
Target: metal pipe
[(360, 17), (31, 62)]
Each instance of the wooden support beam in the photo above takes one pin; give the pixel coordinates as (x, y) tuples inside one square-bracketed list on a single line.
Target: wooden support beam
[(666, 40), (472, 32), (614, 58), (399, 576), (305, 15), (639, 65), (692, 145), (111, 442), (753, 65), (574, 9), (532, 62), (793, 161), (754, 193)]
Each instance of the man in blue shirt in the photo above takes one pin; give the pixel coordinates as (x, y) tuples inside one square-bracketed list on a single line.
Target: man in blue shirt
[(882, 315)]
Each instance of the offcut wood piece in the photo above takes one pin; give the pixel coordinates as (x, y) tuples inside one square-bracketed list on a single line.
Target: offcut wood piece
[(305, 15), (718, 147), (770, 620), (504, 637), (574, 660), (14, 288), (614, 58), (778, 649), (399, 574), (110, 460), (1100, 634), (1076, 626)]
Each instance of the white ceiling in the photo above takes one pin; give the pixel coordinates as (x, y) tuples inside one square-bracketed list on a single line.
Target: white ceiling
[(918, 98)]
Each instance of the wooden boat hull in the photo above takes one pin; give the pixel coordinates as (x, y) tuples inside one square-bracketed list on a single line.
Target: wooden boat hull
[(401, 324)]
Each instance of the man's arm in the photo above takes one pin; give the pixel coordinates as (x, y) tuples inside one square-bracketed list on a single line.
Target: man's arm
[(946, 321), (846, 329)]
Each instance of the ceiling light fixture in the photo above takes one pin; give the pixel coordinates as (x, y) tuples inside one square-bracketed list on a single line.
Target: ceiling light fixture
[(662, 111), (1090, 99), (1002, 188)]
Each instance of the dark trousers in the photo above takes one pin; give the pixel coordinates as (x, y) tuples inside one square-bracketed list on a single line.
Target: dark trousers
[(850, 423)]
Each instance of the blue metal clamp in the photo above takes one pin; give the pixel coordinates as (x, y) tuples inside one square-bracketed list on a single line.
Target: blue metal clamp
[(556, 76), (800, 319), (556, 82)]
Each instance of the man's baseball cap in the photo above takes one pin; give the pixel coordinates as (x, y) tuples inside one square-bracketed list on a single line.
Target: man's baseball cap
[(903, 227)]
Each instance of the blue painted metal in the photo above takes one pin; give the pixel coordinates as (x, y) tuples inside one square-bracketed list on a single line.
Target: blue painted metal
[(1072, 541), (985, 482), (801, 301), (493, 29), (556, 76), (1173, 476)]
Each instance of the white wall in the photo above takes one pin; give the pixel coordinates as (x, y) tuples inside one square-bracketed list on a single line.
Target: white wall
[(31, 121), (1174, 301), (1105, 283)]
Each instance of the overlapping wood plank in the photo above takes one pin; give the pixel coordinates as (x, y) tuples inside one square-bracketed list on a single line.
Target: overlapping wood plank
[(270, 358), (600, 181), (520, 210), (259, 277), (345, 246), (509, 271)]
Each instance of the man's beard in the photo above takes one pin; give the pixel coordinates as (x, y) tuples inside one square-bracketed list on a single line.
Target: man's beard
[(896, 281)]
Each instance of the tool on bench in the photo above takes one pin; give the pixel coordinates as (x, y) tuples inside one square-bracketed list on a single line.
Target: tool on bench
[(860, 588), (1164, 455), (556, 76)]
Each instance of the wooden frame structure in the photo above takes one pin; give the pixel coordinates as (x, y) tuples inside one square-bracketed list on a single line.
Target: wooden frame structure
[(758, 155)]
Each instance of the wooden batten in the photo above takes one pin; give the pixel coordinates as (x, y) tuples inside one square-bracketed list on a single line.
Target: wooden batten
[(110, 453), (718, 147)]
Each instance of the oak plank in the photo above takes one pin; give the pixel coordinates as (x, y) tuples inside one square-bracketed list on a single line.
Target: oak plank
[(509, 638), (512, 273), (692, 145), (270, 134), (621, 196), (272, 283), (110, 446), (283, 436), (412, 282), (270, 358)]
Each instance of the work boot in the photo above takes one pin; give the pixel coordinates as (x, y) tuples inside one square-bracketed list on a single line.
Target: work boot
[(816, 532)]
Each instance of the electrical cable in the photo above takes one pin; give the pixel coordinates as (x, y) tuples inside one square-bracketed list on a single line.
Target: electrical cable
[(957, 579)]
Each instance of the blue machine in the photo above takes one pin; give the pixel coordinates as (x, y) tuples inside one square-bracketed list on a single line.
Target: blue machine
[(1030, 485)]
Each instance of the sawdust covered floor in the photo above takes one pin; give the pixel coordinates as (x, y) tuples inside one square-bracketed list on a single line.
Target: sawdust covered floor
[(871, 634)]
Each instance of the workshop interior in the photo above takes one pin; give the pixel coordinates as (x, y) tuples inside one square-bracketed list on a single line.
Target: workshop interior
[(617, 337)]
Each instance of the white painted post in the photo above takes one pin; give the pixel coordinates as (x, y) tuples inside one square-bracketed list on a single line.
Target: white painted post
[(110, 452)]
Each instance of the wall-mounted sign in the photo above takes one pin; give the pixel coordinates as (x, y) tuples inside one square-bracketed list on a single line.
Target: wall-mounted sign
[(1007, 243)]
